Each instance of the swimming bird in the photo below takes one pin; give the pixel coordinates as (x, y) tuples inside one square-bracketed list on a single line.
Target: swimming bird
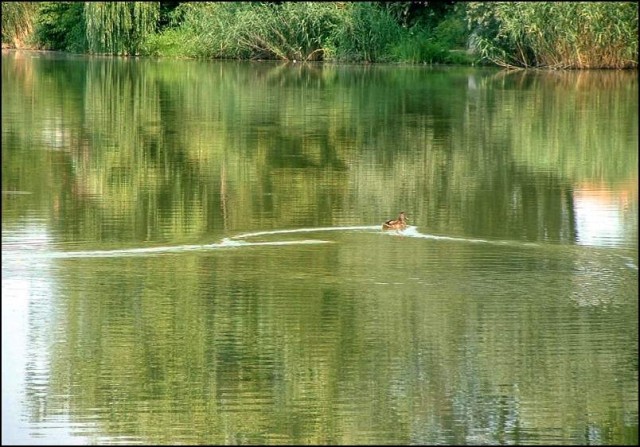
[(396, 224)]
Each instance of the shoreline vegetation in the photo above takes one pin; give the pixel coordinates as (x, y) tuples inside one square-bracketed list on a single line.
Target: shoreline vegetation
[(549, 35)]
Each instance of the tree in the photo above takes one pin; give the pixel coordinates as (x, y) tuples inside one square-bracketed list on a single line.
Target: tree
[(119, 27), (17, 21)]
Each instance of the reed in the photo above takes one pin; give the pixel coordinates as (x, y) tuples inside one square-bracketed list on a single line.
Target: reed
[(556, 34), (367, 34), (419, 48), (204, 30), (289, 31)]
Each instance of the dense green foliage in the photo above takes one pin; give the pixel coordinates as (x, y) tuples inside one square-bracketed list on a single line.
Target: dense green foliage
[(342, 31), (119, 27), (436, 41), (61, 26), (366, 34), (291, 31), (513, 34), (17, 21), (557, 34)]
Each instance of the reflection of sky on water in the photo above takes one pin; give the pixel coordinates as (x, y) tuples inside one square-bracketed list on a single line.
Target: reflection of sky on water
[(27, 306), (600, 219), (15, 304)]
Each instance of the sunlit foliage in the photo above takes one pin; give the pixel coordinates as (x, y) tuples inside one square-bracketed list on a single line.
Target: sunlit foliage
[(556, 34), (301, 31), (510, 34), (17, 21)]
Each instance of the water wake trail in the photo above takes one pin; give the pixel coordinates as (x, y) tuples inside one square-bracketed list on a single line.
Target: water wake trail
[(147, 251), (226, 243), (412, 231), (240, 240), (305, 230), (244, 240)]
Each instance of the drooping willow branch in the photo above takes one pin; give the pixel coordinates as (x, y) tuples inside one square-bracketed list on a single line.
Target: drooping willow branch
[(119, 27)]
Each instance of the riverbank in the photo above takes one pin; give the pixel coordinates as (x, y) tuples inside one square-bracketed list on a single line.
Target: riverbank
[(567, 35)]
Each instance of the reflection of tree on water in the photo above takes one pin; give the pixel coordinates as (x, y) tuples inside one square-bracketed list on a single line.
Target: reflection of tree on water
[(523, 205), (220, 346), (199, 147)]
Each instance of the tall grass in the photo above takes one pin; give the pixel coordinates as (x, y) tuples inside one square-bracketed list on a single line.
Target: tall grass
[(201, 30), (287, 31), (556, 34), (367, 34)]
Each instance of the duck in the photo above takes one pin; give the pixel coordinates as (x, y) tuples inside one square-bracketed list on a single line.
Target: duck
[(396, 224)]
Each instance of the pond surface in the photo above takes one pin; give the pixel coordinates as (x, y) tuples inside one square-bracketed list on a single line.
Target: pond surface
[(192, 253)]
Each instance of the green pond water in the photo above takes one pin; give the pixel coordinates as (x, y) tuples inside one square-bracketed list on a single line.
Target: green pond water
[(192, 253)]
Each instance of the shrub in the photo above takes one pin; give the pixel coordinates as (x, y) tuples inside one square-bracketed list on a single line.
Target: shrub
[(452, 31), (418, 47), (206, 30), (171, 43), (435, 38)]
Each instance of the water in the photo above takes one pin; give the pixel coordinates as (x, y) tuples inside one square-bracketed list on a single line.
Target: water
[(192, 253)]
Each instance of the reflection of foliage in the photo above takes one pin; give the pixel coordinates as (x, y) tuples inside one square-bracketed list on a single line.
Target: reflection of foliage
[(152, 151), (237, 347), (336, 142)]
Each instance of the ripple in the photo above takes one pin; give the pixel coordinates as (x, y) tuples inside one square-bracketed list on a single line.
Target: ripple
[(411, 231), (305, 230), (147, 251), (16, 250)]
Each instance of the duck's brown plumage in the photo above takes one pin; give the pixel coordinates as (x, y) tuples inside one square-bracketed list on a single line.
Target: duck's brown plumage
[(396, 224)]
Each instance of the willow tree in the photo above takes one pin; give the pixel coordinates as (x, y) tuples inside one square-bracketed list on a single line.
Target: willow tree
[(17, 21), (119, 27)]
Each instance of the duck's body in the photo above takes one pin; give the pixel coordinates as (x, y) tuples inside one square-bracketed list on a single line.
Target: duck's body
[(396, 224)]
